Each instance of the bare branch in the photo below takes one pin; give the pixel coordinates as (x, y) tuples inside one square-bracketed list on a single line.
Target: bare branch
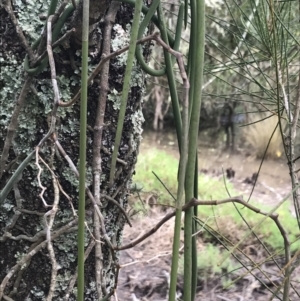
[(40, 170), (194, 202), (89, 193), (118, 205), (24, 42), (97, 141), (14, 123)]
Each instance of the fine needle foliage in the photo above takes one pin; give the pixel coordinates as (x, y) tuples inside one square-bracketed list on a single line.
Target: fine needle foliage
[(257, 134)]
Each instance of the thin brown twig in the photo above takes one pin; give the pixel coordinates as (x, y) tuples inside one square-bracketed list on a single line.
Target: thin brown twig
[(51, 61), (49, 224), (14, 123), (97, 141), (40, 170), (32, 212), (51, 213), (34, 238), (194, 202), (89, 193), (8, 7), (109, 198)]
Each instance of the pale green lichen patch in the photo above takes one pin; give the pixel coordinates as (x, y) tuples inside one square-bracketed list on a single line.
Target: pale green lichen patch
[(70, 177), (137, 76), (73, 180), (27, 12), (137, 120), (37, 293), (6, 209), (121, 38), (62, 282), (115, 97), (11, 73)]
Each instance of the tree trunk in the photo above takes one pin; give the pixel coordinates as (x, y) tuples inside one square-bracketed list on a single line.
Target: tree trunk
[(38, 261)]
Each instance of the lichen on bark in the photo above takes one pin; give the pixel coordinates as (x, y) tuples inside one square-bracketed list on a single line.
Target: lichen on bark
[(22, 224)]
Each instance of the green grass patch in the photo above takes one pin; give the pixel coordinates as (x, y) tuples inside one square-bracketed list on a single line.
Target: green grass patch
[(165, 167), (207, 260), (218, 217)]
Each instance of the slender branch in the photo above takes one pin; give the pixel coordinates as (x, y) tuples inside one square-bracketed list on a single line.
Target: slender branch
[(51, 213), (89, 193), (14, 123), (97, 141), (194, 202), (40, 170), (112, 200), (24, 42)]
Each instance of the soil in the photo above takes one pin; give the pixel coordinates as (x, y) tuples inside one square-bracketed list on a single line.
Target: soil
[(145, 268)]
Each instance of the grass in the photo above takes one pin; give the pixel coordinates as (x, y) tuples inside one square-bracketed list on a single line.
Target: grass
[(223, 218), (258, 134), (165, 167), (208, 269)]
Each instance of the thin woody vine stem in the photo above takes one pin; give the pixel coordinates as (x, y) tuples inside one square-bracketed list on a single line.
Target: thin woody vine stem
[(97, 144), (194, 202)]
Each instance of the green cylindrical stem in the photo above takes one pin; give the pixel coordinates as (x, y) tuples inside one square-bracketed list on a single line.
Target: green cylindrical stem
[(196, 78), (82, 150), (126, 86)]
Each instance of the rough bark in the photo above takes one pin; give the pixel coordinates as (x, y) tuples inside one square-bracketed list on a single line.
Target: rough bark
[(22, 213)]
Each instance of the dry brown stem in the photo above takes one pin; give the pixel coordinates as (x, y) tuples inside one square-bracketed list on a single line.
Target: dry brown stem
[(97, 142)]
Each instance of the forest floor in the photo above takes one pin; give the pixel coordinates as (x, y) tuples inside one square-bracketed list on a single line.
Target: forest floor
[(146, 267)]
